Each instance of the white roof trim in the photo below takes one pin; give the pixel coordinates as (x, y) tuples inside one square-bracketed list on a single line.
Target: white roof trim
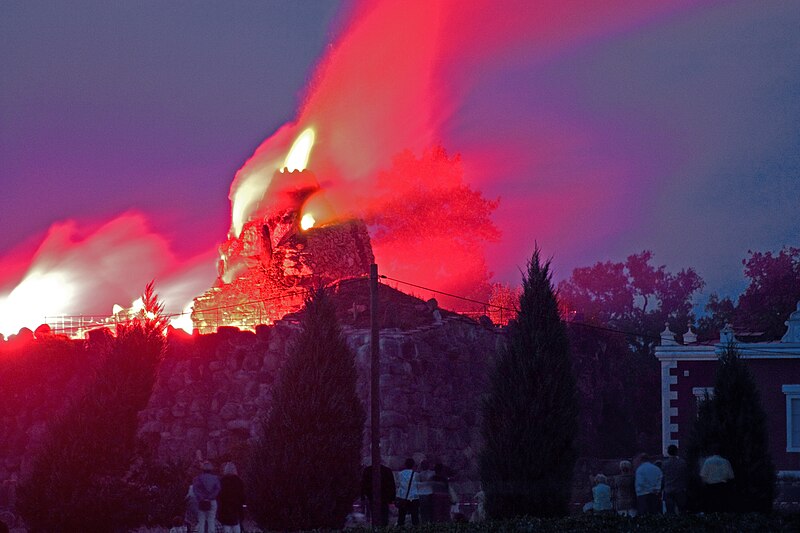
[(766, 350)]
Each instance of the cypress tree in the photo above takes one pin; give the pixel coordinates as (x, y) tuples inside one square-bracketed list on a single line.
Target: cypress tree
[(305, 469), (529, 416), (733, 423)]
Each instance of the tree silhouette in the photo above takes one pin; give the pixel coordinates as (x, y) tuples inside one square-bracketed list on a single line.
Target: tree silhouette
[(732, 422), (773, 292), (637, 298), (305, 469), (78, 479), (529, 417), (429, 227)]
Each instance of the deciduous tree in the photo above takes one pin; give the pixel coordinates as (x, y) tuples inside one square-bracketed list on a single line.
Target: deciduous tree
[(771, 295), (634, 298), (773, 292), (430, 227)]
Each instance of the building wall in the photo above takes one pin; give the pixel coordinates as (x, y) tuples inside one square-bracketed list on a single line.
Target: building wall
[(770, 375)]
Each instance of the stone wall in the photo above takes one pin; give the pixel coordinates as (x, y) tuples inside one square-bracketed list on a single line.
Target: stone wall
[(213, 390)]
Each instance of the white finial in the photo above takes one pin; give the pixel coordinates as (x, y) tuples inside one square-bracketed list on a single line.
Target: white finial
[(667, 336), (690, 337), (793, 327)]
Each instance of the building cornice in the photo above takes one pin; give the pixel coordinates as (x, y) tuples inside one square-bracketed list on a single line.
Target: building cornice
[(766, 350)]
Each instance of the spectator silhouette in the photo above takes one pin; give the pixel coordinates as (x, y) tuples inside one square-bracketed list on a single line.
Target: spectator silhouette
[(648, 486), (601, 494), (206, 488), (231, 500), (388, 490), (407, 494), (716, 474), (624, 490), (441, 496), (675, 480)]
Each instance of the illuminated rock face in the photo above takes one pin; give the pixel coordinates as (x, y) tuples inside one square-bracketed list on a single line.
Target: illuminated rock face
[(265, 272)]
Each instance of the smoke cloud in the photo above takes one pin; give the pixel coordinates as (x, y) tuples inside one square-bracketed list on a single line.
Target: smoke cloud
[(91, 267)]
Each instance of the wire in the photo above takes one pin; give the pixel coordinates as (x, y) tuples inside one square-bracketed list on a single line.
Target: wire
[(742, 347), (485, 304)]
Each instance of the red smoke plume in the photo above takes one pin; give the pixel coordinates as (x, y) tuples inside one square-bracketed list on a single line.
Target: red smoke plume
[(395, 82), (391, 84)]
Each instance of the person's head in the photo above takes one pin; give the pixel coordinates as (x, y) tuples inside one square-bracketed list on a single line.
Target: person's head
[(177, 521), (230, 469), (424, 465), (641, 458), (409, 464), (672, 450), (600, 478), (207, 466), (439, 469), (625, 467)]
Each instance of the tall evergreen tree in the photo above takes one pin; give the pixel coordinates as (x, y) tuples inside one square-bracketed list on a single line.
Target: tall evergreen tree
[(78, 478), (529, 417), (732, 422), (305, 469)]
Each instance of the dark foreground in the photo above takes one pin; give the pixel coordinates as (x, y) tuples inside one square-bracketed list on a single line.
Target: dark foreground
[(715, 523), (728, 523)]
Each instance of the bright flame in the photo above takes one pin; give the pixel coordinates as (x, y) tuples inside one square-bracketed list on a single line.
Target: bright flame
[(297, 159), (307, 221), (38, 295), (184, 320), (137, 306)]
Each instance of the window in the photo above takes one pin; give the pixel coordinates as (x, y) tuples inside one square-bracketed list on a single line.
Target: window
[(792, 393), (701, 394)]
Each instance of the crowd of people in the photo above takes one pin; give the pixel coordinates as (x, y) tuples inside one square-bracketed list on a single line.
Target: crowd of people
[(654, 486), (643, 486), (419, 495)]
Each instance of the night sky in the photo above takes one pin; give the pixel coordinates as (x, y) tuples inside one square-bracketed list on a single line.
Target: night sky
[(675, 129)]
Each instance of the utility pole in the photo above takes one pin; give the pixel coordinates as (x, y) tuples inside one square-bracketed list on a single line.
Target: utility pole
[(375, 397)]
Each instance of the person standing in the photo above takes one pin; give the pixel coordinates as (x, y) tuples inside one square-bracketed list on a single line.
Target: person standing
[(648, 487), (388, 490), (206, 488), (442, 499), (190, 516), (624, 490), (231, 500), (407, 494), (716, 474), (425, 489), (676, 475)]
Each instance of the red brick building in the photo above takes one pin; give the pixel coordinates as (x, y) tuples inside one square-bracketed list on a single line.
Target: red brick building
[(687, 374)]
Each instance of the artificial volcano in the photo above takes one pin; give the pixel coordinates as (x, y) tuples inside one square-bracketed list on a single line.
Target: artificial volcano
[(266, 270)]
